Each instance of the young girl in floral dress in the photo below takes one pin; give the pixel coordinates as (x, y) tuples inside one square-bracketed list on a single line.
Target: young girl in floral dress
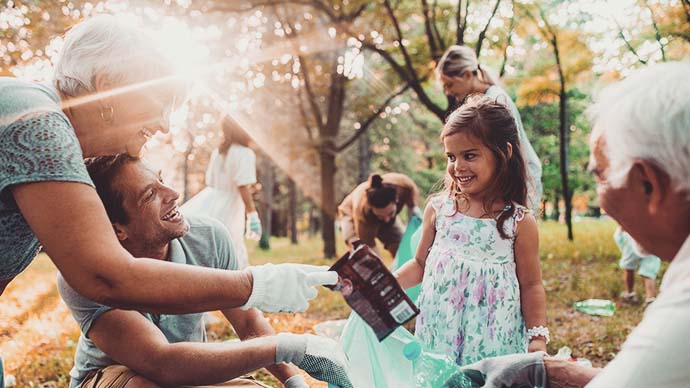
[(478, 261)]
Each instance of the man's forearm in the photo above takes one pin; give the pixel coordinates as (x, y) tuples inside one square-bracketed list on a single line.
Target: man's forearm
[(199, 363), (204, 289), (252, 323), (566, 374)]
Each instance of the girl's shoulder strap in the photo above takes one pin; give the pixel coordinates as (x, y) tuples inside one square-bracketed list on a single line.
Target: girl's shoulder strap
[(518, 215), (520, 212), (439, 202)]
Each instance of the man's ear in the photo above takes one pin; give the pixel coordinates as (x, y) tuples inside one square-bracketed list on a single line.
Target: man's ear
[(653, 182), (120, 232)]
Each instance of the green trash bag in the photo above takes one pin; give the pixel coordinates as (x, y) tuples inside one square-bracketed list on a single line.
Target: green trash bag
[(407, 250), (375, 364)]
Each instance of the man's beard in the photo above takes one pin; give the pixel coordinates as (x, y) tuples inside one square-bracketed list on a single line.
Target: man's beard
[(160, 240)]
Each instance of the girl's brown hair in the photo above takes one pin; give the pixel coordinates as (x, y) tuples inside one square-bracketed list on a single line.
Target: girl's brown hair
[(492, 123), (233, 133)]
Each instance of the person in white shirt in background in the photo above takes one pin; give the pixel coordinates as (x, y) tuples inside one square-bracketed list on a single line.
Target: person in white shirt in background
[(640, 156), (228, 196)]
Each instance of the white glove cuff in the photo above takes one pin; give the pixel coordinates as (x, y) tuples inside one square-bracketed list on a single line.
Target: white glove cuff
[(295, 381), (259, 287), (290, 348)]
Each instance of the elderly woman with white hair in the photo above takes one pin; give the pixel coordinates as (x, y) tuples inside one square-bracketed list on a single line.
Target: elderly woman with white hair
[(461, 75), (640, 156), (112, 91)]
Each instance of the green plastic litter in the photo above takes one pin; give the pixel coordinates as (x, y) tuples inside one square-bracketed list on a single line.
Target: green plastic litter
[(407, 250), (602, 307), (375, 364)]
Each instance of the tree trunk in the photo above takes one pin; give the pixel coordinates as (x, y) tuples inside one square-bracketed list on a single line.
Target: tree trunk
[(328, 202), (292, 192), (268, 181), (314, 224), (364, 157), (556, 207), (564, 145)]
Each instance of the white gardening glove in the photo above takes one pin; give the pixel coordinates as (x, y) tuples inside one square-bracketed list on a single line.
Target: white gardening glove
[(286, 287), (296, 381), (510, 371), (253, 226), (321, 357)]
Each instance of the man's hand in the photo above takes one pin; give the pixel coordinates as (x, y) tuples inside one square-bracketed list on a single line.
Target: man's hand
[(253, 226), (321, 357), (286, 287), (296, 381), (511, 371)]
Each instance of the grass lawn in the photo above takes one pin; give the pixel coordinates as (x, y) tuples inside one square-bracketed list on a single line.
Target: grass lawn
[(38, 335)]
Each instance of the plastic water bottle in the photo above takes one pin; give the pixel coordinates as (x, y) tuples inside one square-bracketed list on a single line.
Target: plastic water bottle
[(430, 370), (601, 307)]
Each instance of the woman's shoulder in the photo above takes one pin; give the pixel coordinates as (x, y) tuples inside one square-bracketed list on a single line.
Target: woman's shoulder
[(20, 98), (41, 147)]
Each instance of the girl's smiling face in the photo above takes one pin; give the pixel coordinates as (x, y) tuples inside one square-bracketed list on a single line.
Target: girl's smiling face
[(471, 164)]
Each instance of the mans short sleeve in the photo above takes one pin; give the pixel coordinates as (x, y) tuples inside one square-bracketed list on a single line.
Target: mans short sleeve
[(243, 166), (42, 147), (84, 311), (226, 254)]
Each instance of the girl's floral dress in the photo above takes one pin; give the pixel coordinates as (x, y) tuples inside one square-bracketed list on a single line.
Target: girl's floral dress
[(470, 297)]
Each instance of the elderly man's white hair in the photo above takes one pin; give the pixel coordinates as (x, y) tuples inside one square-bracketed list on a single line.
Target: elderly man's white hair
[(647, 117), (110, 46)]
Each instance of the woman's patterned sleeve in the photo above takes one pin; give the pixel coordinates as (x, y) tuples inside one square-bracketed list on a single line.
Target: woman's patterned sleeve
[(41, 148)]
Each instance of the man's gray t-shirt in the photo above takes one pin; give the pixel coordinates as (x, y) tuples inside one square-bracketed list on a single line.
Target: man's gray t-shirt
[(207, 244)]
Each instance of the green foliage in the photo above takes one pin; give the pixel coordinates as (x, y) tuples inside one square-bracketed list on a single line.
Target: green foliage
[(541, 123)]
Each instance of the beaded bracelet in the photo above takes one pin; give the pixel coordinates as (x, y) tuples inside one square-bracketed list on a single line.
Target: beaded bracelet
[(538, 331)]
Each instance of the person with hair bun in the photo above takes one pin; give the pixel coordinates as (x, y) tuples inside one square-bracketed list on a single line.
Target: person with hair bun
[(370, 211), (461, 75)]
